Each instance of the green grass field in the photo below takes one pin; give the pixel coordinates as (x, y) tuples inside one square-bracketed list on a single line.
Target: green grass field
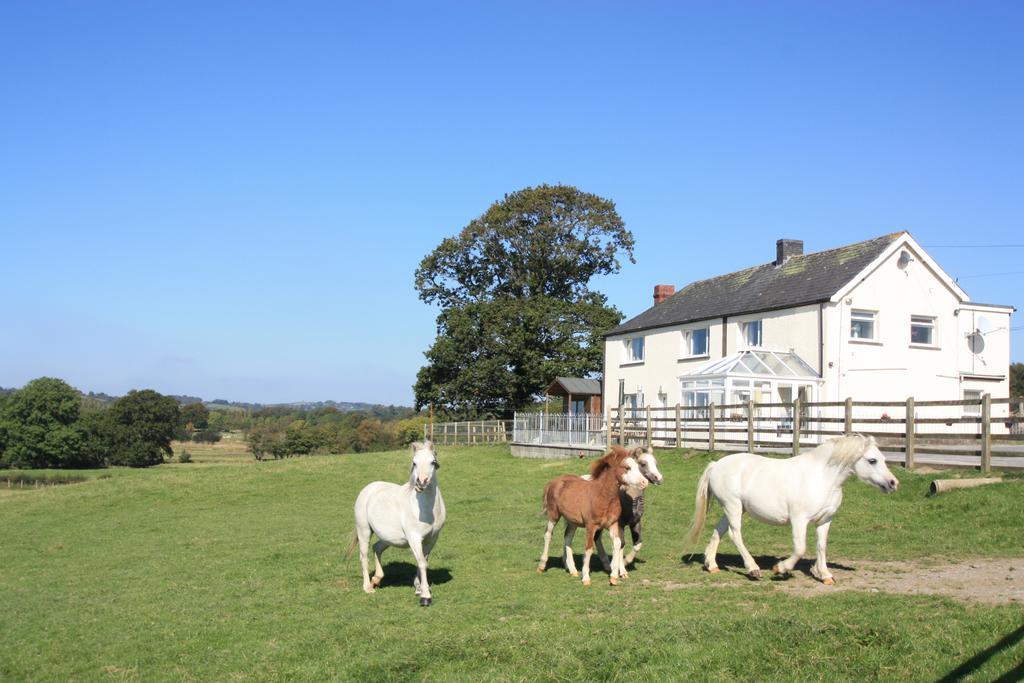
[(228, 569)]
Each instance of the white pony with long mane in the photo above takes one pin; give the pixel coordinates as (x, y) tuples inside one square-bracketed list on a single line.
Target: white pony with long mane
[(408, 515), (801, 490)]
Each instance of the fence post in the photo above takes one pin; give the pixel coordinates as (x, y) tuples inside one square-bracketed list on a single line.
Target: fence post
[(679, 429), (848, 417), (648, 426), (621, 424), (909, 462), (608, 428), (750, 426), (711, 427), (986, 433), (796, 426)]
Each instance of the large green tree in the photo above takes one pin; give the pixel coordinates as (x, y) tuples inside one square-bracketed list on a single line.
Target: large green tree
[(139, 427), (517, 307), (195, 416), (38, 427)]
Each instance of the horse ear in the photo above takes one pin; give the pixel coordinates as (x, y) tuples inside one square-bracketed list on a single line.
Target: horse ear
[(413, 447), (636, 451)]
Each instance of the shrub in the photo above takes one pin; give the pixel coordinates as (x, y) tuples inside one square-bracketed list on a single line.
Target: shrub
[(208, 435), (184, 456)]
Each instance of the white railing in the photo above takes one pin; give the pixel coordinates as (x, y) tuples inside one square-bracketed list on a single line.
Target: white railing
[(559, 429)]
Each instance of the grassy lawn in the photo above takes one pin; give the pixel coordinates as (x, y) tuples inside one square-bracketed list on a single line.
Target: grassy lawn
[(230, 569)]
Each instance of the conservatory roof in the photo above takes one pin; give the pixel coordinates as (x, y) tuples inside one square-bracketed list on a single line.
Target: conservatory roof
[(758, 363)]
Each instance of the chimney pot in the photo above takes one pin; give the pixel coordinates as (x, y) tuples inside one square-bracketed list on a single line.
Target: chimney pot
[(662, 292), (787, 249)]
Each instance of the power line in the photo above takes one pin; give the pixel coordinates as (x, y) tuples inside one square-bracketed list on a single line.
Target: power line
[(1014, 272), (973, 246)]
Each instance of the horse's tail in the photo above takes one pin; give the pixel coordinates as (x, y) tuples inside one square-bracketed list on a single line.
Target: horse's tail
[(548, 499), (352, 545), (701, 505)]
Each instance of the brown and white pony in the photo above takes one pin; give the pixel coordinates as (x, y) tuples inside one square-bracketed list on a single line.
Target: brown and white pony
[(593, 504), (632, 501)]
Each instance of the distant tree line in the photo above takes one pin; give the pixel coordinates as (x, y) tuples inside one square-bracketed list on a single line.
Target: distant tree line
[(47, 424), (279, 433)]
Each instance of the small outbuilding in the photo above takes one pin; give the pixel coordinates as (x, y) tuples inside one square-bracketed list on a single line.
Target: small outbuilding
[(580, 395)]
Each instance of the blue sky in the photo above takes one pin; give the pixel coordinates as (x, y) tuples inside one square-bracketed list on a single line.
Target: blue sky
[(229, 199)]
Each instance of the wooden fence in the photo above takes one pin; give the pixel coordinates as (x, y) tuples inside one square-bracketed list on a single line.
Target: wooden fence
[(936, 428), (469, 432)]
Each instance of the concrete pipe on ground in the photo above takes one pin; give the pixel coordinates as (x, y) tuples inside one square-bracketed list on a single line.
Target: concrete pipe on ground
[(943, 485)]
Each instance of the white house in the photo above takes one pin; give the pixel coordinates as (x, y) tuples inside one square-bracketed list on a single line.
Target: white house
[(876, 321)]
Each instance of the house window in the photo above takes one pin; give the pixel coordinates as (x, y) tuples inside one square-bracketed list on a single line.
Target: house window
[(698, 395), (632, 403), (752, 333), (862, 324), (922, 330), (634, 350), (579, 406), (696, 342), (974, 409)]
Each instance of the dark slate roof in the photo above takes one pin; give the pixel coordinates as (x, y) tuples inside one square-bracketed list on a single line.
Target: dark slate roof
[(577, 385), (801, 280)]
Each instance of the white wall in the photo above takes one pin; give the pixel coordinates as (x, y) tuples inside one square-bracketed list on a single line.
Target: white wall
[(890, 367), (664, 359)]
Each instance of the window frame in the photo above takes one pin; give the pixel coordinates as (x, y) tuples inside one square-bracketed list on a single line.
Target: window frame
[(629, 349), (924, 321), (864, 315), (688, 336), (973, 411), (745, 328)]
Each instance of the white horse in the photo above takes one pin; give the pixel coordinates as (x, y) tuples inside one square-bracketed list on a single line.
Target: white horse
[(800, 490), (408, 515)]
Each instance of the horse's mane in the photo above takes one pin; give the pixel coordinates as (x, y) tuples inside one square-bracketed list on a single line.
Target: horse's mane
[(845, 450), (608, 461)]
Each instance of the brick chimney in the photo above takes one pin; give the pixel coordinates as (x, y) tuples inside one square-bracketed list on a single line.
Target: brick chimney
[(662, 292), (787, 249)]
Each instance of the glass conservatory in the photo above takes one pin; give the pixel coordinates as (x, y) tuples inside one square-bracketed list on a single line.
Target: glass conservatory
[(754, 375)]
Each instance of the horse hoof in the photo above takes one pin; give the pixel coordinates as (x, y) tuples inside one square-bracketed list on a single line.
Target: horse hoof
[(712, 570), (586, 582), (574, 573), (424, 602), (755, 574), (540, 570), (369, 590), (829, 581), (777, 569), (613, 581), (375, 581)]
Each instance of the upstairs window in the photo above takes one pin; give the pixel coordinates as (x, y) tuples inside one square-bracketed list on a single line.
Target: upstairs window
[(922, 330), (635, 350), (696, 342), (752, 333), (862, 324)]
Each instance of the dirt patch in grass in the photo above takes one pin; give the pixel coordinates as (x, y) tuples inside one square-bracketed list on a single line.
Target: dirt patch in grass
[(985, 580)]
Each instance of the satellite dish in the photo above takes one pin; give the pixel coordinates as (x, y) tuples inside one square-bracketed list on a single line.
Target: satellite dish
[(975, 342), (905, 260), (983, 324)]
